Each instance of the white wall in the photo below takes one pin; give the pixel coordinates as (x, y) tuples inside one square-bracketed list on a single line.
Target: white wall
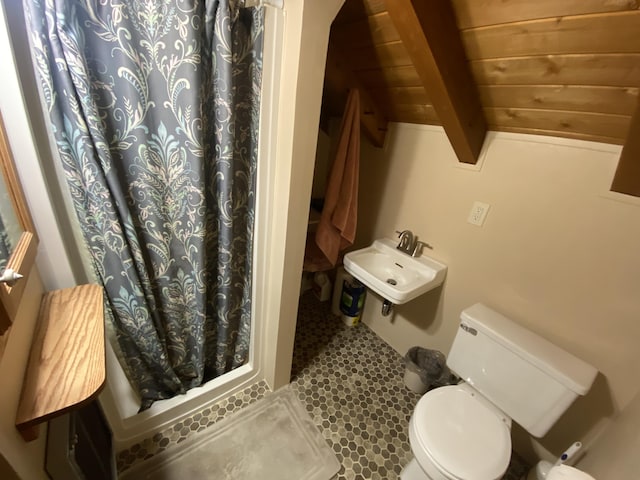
[(615, 453), (19, 457), (25, 458), (557, 253), (300, 91)]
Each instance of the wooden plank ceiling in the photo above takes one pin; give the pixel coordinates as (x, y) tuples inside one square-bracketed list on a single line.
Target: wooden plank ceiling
[(568, 68)]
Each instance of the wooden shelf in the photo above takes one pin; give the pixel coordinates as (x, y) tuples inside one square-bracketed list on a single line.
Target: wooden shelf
[(67, 365)]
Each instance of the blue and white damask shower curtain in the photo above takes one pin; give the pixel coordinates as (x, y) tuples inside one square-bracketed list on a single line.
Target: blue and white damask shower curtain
[(154, 109)]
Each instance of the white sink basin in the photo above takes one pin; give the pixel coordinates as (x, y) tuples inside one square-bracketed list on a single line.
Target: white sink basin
[(392, 274)]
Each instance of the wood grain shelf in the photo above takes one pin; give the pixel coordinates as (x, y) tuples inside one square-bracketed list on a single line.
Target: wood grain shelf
[(67, 365)]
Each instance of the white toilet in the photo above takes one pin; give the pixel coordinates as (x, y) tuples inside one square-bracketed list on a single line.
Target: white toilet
[(463, 432), (565, 472)]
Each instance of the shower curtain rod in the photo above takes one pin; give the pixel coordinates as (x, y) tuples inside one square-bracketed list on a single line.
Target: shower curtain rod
[(261, 3)]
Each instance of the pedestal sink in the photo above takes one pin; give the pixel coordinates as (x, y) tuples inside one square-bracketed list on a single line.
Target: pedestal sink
[(392, 274)]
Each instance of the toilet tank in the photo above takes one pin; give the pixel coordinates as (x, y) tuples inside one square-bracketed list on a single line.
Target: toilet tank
[(526, 376)]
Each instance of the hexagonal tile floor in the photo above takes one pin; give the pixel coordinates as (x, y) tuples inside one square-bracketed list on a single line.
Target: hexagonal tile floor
[(351, 383), (180, 431)]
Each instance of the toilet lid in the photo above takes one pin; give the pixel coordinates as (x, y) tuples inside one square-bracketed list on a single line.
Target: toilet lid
[(565, 472), (462, 436)]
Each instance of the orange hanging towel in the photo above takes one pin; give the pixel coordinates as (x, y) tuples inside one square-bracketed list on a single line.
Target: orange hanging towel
[(337, 227)]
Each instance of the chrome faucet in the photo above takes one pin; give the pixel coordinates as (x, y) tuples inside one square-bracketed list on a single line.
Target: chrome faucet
[(407, 241), (410, 244), (417, 249)]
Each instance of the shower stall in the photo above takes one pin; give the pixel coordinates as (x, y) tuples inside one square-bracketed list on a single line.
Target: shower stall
[(290, 105)]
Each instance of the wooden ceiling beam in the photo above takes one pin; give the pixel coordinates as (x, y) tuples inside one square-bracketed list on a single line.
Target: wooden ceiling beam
[(339, 78), (429, 33), (627, 177)]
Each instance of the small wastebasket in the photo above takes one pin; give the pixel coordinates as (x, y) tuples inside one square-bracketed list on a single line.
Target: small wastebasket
[(425, 368)]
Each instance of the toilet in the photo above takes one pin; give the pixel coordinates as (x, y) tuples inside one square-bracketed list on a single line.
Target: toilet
[(565, 472), (463, 432)]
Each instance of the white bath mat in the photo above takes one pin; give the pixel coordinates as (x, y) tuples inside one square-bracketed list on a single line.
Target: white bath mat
[(273, 439)]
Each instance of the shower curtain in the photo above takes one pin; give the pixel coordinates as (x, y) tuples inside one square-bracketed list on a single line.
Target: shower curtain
[(154, 109)]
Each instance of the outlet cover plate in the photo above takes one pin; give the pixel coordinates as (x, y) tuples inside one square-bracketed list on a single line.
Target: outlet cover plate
[(478, 213)]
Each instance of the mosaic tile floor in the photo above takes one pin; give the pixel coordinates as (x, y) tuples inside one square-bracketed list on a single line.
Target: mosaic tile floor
[(351, 383), (180, 431)]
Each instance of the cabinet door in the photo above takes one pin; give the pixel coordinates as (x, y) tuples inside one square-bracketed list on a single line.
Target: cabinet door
[(79, 446), (93, 450)]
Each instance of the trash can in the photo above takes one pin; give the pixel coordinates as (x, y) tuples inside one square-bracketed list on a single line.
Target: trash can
[(352, 301), (424, 369)]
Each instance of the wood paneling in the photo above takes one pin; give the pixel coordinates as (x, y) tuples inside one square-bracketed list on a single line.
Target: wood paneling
[(428, 30), (415, 95), (424, 114), (601, 33), (616, 100), (338, 80), (375, 29), (593, 124), (479, 13), (390, 77), (555, 133), (352, 11), (569, 68), (627, 177), (621, 70), (385, 55)]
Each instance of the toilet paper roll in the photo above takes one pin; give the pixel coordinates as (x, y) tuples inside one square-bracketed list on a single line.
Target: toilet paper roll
[(565, 472)]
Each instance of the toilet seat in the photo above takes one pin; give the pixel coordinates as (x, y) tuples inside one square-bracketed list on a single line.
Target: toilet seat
[(461, 434)]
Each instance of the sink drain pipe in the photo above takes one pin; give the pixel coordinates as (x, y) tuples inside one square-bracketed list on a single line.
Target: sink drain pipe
[(386, 307), (386, 304)]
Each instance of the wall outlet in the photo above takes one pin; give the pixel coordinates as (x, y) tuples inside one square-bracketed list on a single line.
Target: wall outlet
[(478, 213)]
